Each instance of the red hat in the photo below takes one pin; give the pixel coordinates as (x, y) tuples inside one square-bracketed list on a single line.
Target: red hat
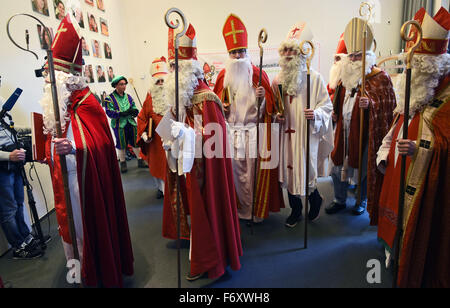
[(341, 46), (159, 67), (235, 33), (67, 51), (435, 32), (188, 45)]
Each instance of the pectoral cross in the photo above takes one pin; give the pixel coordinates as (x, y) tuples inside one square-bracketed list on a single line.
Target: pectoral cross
[(234, 32), (295, 31), (58, 33)]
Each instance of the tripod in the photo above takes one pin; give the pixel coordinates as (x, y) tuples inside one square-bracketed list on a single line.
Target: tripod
[(31, 202)]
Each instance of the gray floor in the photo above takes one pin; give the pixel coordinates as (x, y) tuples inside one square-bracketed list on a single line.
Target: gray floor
[(339, 248)]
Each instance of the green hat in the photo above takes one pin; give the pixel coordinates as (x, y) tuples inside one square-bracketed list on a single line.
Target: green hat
[(117, 79)]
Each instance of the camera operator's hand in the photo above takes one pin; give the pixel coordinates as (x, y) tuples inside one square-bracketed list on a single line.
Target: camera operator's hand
[(17, 155), (63, 146)]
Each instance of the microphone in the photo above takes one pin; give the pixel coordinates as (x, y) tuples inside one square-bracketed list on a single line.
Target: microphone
[(10, 102), (27, 39)]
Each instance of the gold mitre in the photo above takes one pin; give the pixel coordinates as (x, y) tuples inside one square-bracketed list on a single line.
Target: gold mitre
[(353, 36)]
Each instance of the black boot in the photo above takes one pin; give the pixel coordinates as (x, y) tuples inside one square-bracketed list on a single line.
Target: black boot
[(335, 207), (296, 213), (123, 167), (142, 164), (315, 201)]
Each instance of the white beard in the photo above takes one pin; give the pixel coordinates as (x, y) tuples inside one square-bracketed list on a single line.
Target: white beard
[(351, 71), (190, 71), (425, 76), (291, 75), (159, 102), (239, 77), (65, 85), (335, 72)]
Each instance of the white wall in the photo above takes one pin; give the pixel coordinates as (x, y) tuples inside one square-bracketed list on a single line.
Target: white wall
[(17, 67), (147, 31)]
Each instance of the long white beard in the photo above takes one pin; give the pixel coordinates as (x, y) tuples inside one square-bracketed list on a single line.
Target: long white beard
[(425, 76), (239, 77), (159, 102), (351, 71), (291, 75), (335, 72), (65, 85), (190, 71)]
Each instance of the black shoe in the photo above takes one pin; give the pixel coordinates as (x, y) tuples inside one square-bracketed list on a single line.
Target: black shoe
[(23, 253), (196, 277), (293, 219), (315, 200), (123, 167), (159, 194), (359, 209), (142, 164), (335, 207)]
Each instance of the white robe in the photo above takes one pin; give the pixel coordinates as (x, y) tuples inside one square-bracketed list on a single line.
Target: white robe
[(293, 145)]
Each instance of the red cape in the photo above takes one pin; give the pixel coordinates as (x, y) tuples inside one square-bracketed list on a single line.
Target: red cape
[(378, 120), (208, 196), (107, 251), (269, 193), (152, 152)]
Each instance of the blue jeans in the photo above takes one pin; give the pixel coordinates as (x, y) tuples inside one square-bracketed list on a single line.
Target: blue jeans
[(11, 208), (340, 188)]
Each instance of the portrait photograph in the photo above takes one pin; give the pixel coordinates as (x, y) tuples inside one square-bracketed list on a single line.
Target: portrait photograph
[(101, 74), (85, 47), (88, 73), (60, 9), (108, 53), (110, 74), (96, 50), (104, 26), (100, 5), (40, 6), (44, 39), (79, 17), (92, 23)]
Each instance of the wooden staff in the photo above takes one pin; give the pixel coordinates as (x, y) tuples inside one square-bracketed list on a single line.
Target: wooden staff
[(401, 199), (59, 134), (262, 38), (308, 51), (137, 95), (177, 109), (363, 94)]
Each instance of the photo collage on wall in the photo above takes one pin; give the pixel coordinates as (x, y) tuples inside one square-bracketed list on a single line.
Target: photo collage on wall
[(96, 45)]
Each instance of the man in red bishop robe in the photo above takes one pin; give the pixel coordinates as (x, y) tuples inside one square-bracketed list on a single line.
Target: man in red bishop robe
[(425, 243), (206, 180), (378, 109), (99, 212), (238, 87), (154, 108)]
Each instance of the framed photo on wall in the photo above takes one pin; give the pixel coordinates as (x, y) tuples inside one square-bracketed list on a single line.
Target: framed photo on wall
[(88, 73), (60, 9), (100, 74), (96, 50), (92, 23), (101, 5), (110, 74), (108, 53), (40, 6), (79, 17), (85, 47), (104, 27), (44, 39)]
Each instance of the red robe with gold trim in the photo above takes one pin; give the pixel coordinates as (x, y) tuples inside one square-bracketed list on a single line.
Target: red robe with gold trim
[(107, 251), (268, 189), (208, 196), (378, 120), (425, 252), (152, 152)]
